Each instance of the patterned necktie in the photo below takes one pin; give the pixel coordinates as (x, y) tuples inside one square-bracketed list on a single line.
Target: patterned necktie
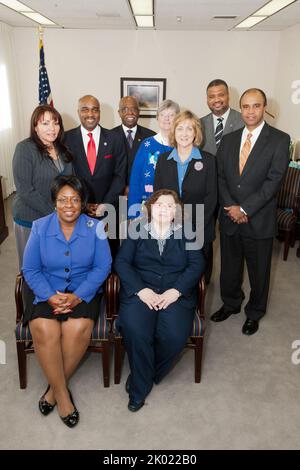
[(219, 131), (129, 138), (245, 152), (91, 153)]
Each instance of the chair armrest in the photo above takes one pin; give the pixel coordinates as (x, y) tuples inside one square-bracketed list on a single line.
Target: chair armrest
[(201, 297), (19, 298), (112, 299)]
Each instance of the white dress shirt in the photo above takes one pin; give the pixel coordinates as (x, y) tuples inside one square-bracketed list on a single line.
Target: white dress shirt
[(255, 134), (96, 136), (133, 131), (224, 116)]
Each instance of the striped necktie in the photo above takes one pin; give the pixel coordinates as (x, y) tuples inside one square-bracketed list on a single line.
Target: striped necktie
[(129, 138), (219, 131), (246, 149)]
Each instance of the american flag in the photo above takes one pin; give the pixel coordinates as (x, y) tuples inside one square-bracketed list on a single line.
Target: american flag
[(45, 96)]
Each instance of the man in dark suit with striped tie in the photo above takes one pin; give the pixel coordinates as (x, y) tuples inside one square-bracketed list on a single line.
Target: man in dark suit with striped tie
[(222, 120), (131, 133)]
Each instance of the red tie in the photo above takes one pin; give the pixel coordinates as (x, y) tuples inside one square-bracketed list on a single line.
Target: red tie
[(91, 153)]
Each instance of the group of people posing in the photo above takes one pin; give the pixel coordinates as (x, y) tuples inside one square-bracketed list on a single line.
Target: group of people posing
[(231, 163)]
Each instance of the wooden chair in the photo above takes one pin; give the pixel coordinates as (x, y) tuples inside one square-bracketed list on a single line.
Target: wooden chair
[(100, 339), (195, 340), (287, 208)]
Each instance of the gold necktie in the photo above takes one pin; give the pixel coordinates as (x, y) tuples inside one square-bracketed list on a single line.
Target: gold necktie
[(245, 152)]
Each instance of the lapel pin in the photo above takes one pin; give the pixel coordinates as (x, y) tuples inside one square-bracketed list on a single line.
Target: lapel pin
[(198, 166), (90, 223), (105, 143)]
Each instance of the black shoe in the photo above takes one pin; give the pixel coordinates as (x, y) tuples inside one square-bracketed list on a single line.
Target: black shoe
[(223, 314), (127, 385), (250, 327), (44, 406), (135, 405), (72, 419)]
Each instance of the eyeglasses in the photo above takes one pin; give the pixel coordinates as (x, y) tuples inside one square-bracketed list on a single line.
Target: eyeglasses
[(62, 201), (129, 110)]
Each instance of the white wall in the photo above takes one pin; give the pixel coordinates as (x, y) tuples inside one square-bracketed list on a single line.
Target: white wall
[(288, 83), (80, 62)]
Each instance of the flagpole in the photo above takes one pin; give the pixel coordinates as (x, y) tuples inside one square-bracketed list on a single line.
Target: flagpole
[(45, 96)]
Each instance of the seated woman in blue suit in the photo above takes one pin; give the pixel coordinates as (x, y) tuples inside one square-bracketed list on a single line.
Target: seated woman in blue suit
[(158, 295), (66, 260)]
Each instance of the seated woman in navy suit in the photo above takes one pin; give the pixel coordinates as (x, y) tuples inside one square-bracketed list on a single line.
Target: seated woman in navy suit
[(66, 261), (158, 296)]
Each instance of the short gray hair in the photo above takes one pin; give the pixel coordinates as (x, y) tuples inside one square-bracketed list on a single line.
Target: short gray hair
[(166, 104)]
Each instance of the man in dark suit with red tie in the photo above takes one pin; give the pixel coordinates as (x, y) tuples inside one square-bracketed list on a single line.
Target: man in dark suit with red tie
[(130, 131), (251, 165), (99, 157)]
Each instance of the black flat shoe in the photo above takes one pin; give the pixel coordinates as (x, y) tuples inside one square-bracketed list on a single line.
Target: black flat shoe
[(127, 385), (72, 419), (44, 406), (135, 405), (222, 314)]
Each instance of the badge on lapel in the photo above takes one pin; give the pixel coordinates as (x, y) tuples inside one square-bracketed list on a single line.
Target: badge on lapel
[(198, 166), (105, 143), (90, 223), (107, 156)]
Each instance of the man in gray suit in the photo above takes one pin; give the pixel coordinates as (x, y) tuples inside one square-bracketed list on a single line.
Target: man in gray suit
[(222, 120)]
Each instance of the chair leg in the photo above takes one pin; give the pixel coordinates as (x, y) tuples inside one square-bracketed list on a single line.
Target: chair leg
[(293, 236), (287, 241), (198, 358), (22, 365), (105, 362), (118, 358)]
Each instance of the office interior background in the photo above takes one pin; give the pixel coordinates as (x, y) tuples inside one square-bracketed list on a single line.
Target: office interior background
[(248, 396)]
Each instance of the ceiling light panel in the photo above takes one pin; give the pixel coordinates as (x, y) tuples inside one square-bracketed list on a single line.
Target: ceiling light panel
[(272, 7), (39, 18), (15, 5), (142, 7), (251, 21), (144, 21)]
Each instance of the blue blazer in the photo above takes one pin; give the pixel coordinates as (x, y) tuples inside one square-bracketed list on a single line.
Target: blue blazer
[(139, 265), (52, 263)]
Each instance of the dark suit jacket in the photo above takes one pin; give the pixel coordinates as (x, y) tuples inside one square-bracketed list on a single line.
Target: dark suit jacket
[(233, 123), (198, 187), (141, 134), (33, 176), (256, 189), (108, 180), (139, 265)]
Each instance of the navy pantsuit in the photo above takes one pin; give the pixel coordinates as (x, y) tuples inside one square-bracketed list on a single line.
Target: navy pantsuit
[(153, 339)]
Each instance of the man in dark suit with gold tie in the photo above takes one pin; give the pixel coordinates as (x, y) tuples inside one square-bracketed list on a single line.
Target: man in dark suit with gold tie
[(130, 131), (251, 165)]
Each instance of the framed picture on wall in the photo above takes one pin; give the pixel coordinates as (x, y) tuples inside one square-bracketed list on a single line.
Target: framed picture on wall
[(149, 92)]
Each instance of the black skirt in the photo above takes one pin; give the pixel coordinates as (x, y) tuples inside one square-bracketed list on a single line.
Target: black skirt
[(44, 310)]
